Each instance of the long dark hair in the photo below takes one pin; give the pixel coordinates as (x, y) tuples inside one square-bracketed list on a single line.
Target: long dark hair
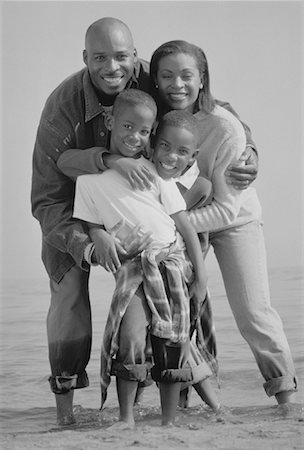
[(205, 100)]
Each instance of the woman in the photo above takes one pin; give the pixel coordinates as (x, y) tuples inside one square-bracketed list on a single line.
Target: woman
[(179, 71)]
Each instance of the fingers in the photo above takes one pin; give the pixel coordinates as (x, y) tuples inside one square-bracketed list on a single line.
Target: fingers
[(249, 169), (141, 179), (240, 184), (241, 177), (110, 265), (137, 182)]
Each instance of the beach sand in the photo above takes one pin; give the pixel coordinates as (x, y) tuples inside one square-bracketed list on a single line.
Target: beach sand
[(196, 429), (238, 428)]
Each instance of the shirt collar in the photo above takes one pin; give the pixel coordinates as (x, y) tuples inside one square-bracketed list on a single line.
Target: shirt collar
[(93, 107), (188, 178)]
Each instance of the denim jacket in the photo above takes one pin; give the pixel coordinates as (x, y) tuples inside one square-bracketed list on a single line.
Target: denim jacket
[(73, 118)]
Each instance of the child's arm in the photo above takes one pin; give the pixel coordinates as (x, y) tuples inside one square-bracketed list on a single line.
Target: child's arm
[(137, 173), (199, 286), (75, 162), (199, 194)]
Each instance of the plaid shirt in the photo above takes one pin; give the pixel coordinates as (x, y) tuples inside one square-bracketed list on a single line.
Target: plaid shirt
[(170, 317)]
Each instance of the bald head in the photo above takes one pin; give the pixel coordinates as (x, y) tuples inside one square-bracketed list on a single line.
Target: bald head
[(109, 55), (107, 26)]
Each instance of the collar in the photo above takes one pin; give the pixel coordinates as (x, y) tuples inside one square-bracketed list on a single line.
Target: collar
[(93, 107), (133, 82), (188, 178)]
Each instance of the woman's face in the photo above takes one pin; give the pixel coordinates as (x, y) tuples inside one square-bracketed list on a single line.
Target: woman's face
[(178, 81)]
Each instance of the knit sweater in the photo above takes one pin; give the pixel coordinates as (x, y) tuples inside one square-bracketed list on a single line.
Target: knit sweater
[(222, 141)]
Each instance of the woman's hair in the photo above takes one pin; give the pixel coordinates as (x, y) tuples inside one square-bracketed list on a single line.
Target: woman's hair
[(134, 97), (205, 99), (179, 119)]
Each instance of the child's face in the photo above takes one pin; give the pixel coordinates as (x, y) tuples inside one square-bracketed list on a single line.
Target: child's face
[(174, 150), (131, 128)]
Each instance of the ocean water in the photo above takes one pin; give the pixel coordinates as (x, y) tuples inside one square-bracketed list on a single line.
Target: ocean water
[(26, 401)]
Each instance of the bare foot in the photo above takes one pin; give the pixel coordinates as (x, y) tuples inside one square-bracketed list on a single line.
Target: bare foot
[(66, 420), (169, 424), (139, 396), (64, 403), (283, 397), (120, 426), (184, 397)]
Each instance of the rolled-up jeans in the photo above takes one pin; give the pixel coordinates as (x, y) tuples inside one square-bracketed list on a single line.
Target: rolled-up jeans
[(134, 363), (240, 252), (69, 331)]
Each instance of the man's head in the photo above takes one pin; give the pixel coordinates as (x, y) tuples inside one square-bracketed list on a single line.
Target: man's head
[(175, 143), (109, 55), (131, 122)]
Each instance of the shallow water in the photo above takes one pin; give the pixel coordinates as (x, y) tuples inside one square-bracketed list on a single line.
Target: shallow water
[(27, 405)]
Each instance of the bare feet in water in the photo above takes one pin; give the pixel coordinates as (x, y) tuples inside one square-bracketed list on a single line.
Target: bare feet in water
[(120, 426), (64, 403)]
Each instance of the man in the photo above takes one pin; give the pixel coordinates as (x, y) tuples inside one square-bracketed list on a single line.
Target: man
[(72, 124)]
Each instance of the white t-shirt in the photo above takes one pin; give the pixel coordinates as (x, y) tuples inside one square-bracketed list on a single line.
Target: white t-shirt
[(107, 198)]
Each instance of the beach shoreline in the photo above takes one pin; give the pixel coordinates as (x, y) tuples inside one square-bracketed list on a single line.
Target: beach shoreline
[(250, 428)]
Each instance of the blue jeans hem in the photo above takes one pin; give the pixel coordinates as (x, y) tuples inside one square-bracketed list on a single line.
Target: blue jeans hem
[(280, 384)]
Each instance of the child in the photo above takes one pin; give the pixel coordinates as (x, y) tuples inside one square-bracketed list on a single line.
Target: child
[(140, 298)]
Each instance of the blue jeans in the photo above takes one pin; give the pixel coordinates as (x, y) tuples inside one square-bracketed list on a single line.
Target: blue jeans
[(170, 361), (240, 252), (69, 331)]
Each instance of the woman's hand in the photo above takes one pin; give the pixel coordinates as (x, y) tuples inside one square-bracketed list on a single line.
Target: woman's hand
[(135, 172), (241, 174)]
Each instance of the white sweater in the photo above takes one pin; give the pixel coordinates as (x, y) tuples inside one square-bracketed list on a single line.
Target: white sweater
[(222, 143)]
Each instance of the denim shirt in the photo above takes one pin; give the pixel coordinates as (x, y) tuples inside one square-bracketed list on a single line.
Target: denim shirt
[(73, 118)]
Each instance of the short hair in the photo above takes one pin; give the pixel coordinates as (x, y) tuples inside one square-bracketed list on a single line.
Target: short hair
[(134, 97), (206, 101), (179, 119)]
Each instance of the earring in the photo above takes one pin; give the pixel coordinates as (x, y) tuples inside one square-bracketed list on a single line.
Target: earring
[(156, 86)]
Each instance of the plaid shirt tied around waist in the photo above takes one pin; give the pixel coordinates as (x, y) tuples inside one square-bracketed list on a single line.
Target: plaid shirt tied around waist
[(170, 316)]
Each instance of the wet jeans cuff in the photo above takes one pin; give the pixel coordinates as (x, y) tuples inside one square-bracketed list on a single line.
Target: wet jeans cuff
[(280, 384), (62, 384), (171, 375), (130, 372)]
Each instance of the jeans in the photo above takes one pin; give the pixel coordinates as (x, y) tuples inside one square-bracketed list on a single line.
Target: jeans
[(69, 331), (131, 362), (240, 252)]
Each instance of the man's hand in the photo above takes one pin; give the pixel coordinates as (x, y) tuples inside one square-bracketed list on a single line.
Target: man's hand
[(135, 172), (107, 249), (244, 172), (110, 252)]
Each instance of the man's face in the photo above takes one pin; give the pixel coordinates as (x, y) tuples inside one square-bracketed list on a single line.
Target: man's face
[(131, 130), (110, 57), (175, 149)]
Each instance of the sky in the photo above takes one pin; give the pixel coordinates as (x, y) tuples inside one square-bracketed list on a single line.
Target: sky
[(256, 63)]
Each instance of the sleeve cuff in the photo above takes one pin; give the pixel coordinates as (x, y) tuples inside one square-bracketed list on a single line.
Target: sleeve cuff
[(88, 252), (252, 146), (99, 160)]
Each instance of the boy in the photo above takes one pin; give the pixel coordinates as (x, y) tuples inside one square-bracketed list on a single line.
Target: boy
[(140, 299)]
